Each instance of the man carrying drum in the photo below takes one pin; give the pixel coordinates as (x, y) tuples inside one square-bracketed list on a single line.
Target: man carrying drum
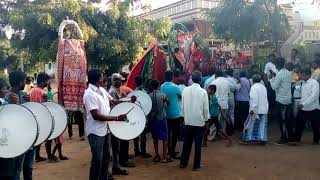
[(6, 164), (97, 104), (25, 161)]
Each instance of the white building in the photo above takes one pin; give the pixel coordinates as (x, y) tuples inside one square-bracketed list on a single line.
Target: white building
[(189, 12)]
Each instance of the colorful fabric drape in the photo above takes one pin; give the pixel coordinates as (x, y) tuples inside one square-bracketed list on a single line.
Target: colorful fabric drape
[(152, 65), (71, 73)]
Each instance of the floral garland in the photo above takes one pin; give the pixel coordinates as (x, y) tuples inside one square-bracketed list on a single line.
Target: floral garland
[(69, 22)]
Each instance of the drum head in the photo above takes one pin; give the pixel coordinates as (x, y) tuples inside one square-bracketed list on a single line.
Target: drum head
[(143, 100), (60, 118), (44, 119), (135, 124), (18, 130)]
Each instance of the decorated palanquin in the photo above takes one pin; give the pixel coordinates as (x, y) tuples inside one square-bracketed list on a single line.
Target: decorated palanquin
[(71, 68)]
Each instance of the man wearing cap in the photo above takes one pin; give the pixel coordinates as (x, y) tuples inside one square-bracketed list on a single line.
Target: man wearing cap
[(120, 148)]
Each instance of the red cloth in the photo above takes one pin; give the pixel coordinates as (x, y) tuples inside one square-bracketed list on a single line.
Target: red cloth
[(137, 69), (71, 73), (37, 95), (159, 65)]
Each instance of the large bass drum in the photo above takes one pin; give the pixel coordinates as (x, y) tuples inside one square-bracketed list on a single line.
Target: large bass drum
[(44, 119), (135, 124), (143, 100), (60, 117), (18, 130)]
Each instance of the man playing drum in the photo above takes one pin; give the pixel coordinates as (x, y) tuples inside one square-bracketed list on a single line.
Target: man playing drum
[(97, 104), (25, 161)]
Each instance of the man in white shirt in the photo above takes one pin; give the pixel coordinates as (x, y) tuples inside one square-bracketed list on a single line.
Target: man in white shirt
[(234, 86), (222, 93), (271, 65), (281, 84), (256, 127), (195, 110), (96, 100), (309, 105)]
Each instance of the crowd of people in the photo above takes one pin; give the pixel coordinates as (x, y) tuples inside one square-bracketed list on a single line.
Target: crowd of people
[(23, 89), (183, 109)]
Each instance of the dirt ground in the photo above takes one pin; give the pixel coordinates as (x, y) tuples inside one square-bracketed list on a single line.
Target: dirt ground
[(239, 162)]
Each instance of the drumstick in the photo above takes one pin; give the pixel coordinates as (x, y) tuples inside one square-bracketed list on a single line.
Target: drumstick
[(129, 111)]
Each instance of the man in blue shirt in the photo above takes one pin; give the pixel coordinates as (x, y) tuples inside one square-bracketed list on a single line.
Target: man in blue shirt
[(173, 110)]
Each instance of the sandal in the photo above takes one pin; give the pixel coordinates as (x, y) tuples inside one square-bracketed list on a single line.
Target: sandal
[(168, 160), (156, 158)]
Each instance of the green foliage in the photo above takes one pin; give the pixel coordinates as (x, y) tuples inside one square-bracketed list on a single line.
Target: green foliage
[(162, 28), (112, 39), (247, 22)]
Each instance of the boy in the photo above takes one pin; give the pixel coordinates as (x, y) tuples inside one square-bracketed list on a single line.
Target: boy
[(159, 128), (29, 85), (214, 114)]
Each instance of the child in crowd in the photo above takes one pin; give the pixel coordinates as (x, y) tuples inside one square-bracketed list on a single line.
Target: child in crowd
[(158, 121), (214, 114), (296, 74), (58, 147), (29, 85)]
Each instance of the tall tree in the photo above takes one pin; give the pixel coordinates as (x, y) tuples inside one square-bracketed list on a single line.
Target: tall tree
[(112, 38), (246, 22)]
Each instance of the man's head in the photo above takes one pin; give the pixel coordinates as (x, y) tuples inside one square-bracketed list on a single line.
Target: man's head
[(243, 73), (297, 68), (168, 75), (29, 80), (212, 89), (43, 80), (138, 81), (196, 77), (125, 76), (212, 71), (95, 77), (289, 66), (255, 69), (280, 63), (219, 73), (229, 72), (17, 80), (256, 78), (294, 53), (177, 73), (305, 74), (154, 85), (272, 58), (3, 88), (116, 79)]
